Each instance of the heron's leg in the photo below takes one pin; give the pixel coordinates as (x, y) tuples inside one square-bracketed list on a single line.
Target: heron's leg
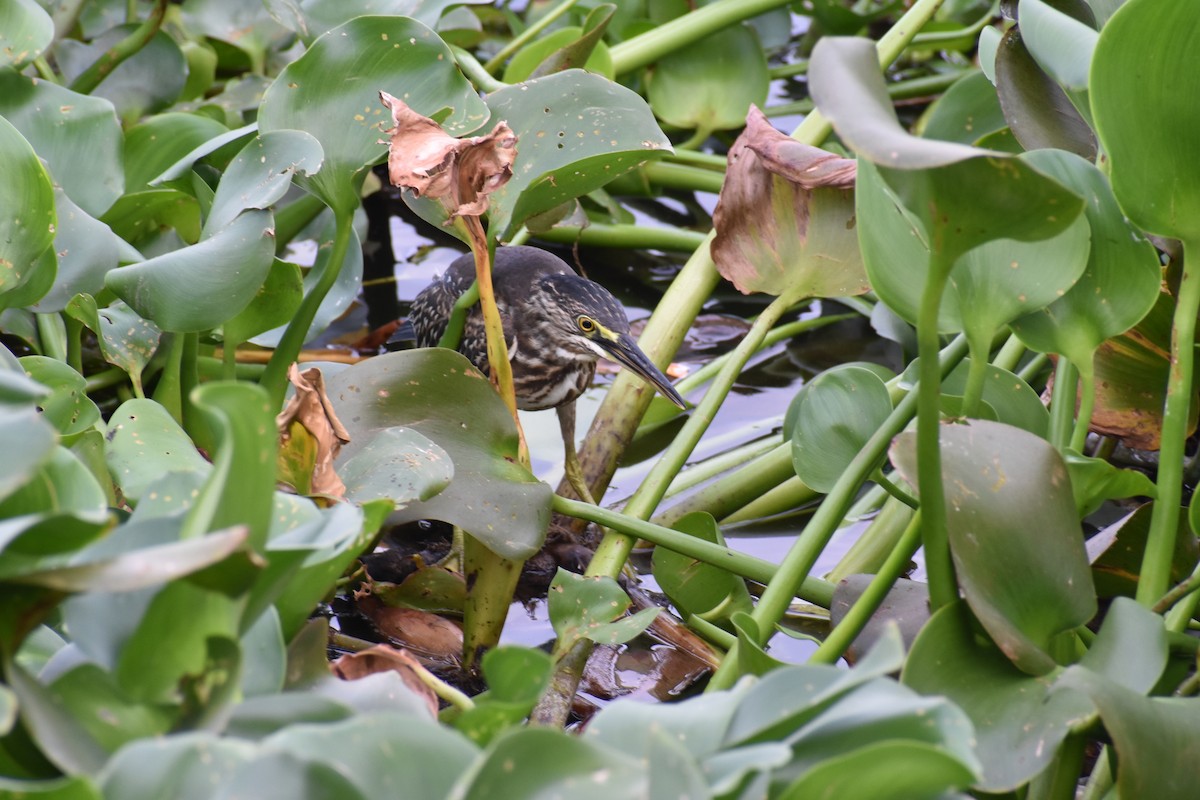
[(571, 465)]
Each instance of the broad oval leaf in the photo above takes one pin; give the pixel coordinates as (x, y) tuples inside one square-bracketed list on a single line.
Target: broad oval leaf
[(199, 287), (25, 31), (144, 444), (382, 53), (147, 81), (1155, 168), (68, 407), (1010, 512), (836, 413), (260, 175), (398, 464), (87, 250), (575, 132), (696, 587), (27, 228), (154, 145), (588, 607), (1061, 44), (492, 497)]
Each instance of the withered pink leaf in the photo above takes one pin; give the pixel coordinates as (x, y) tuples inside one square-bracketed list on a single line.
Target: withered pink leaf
[(459, 172), (785, 217)]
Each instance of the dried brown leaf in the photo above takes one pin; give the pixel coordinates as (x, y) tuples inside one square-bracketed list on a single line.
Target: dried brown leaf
[(426, 634), (459, 172), (309, 410), (766, 209), (385, 658)]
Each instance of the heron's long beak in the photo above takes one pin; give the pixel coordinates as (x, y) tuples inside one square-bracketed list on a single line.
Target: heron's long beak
[(625, 352)]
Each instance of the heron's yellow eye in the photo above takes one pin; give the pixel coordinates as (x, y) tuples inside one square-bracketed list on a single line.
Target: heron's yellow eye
[(586, 324)]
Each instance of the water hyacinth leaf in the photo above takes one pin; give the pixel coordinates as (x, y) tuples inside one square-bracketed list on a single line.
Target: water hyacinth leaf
[(1116, 552), (398, 464), (836, 413), (710, 84), (240, 489), (86, 249), (231, 25), (68, 407), (148, 81), (906, 605), (386, 754), (286, 775), (1094, 480), (696, 587), (311, 18), (91, 696), (144, 444), (899, 770), (140, 216), (157, 767), (590, 607), (160, 141), (1010, 512), (1013, 400), (1142, 730), (126, 340), (576, 132), (311, 95), (516, 678), (967, 112), (30, 439), (273, 305), (74, 788), (199, 287), (63, 741), (77, 135), (1038, 110), (1131, 647), (491, 496), (539, 762), (566, 48), (1154, 168), (63, 485), (261, 173), (1119, 286), (25, 31), (1019, 721), (785, 217), (1061, 44), (26, 236), (186, 163), (937, 181)]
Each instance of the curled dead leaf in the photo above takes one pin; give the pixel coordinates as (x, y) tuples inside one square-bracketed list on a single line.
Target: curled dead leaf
[(785, 217), (385, 658), (310, 436), (459, 172), (432, 637)]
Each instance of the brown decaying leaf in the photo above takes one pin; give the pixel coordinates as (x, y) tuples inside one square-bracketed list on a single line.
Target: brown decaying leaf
[(460, 172), (763, 162), (385, 658), (310, 407), (432, 637)]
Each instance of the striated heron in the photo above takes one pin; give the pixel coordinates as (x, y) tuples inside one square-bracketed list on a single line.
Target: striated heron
[(556, 324)]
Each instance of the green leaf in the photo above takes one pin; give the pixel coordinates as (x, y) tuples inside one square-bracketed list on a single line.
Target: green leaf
[(1094, 480), (1120, 284), (1116, 552), (26, 236), (86, 249), (274, 305), (575, 132), (566, 48), (1010, 512), (68, 407), (709, 85), (126, 340), (187, 765), (25, 31), (76, 788), (139, 216), (199, 287), (696, 587), (77, 135), (1039, 112), (967, 112), (1154, 168), (398, 464), (1019, 722), (396, 54), (144, 444), (155, 144), (900, 770), (1013, 400), (516, 678), (1131, 647), (585, 607), (491, 496), (234, 24), (1061, 44), (148, 81), (260, 175), (836, 413), (63, 485), (906, 605)]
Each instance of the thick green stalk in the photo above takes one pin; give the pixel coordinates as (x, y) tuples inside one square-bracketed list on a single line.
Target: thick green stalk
[(528, 35), (687, 178), (598, 234), (735, 490), (682, 31), (943, 587), (103, 66), (813, 590), (712, 467), (977, 369), (841, 637), (816, 534), (492, 579), (1164, 522), (870, 551), (1010, 354), (1087, 403), (788, 495), (479, 77), (1062, 404), (274, 378)]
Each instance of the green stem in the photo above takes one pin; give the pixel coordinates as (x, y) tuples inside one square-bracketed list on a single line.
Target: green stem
[(1087, 403), (657, 42), (718, 636), (894, 490), (44, 71), (977, 368), (476, 73), (733, 491), (274, 378), (1062, 404), (813, 590), (106, 379), (870, 551), (528, 35), (1179, 604), (1164, 522), (168, 392), (841, 637), (598, 234), (899, 90), (74, 340), (1060, 781), (723, 462), (682, 176), (228, 362), (698, 137), (103, 66), (1031, 370), (943, 588), (52, 336), (1010, 354), (816, 534), (789, 495), (292, 218), (696, 158)]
